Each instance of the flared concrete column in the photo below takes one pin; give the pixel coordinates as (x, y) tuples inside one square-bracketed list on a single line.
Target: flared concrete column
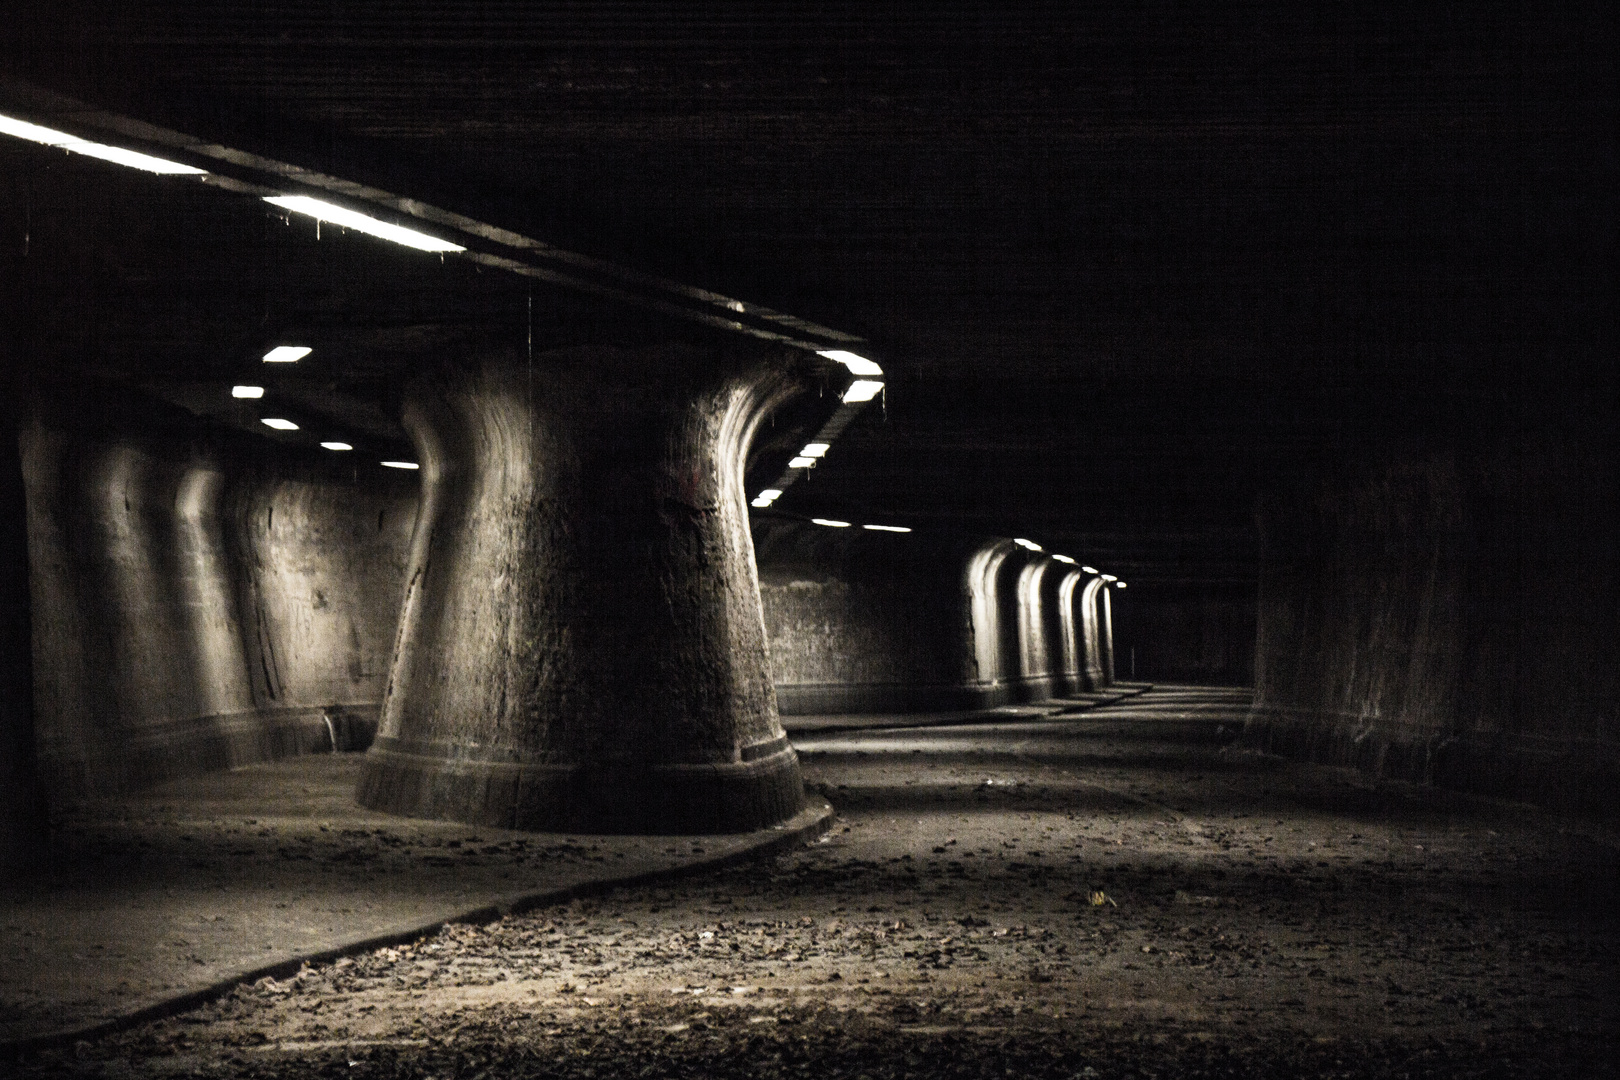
[(22, 807), (1106, 633), (581, 646), (1092, 674), (1071, 633)]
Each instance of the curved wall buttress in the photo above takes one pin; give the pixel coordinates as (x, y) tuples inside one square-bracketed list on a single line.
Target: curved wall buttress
[(1093, 675), (151, 632), (874, 622)]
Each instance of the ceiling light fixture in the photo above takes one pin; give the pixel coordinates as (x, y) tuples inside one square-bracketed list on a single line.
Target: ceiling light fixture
[(830, 523), (336, 446), (1109, 577), (886, 528), (766, 497), (815, 449), (1064, 559), (247, 391), (1119, 584), (349, 219), (861, 390), (279, 424), (287, 354), (1089, 569), (61, 140), (400, 465), (857, 364), (1027, 545), (802, 463)]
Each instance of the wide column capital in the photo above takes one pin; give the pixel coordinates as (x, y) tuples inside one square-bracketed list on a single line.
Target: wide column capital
[(582, 646)]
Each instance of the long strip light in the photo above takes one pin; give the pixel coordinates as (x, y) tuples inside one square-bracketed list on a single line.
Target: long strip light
[(279, 424), (349, 219), (1089, 569), (400, 465), (61, 140), (887, 528), (861, 390), (247, 392), (1028, 545), (830, 523), (1063, 559), (857, 364)]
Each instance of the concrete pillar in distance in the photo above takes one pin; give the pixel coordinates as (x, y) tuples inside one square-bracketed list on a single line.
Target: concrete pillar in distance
[(1106, 635), (581, 646)]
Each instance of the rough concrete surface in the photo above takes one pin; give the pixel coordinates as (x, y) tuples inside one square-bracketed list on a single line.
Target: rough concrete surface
[(581, 646), (154, 896), (1113, 894)]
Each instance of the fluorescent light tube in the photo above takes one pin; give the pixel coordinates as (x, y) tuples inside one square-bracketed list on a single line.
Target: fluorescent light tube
[(1064, 558), (857, 364), (400, 465), (279, 424), (1109, 577), (116, 154), (1028, 545), (1089, 569), (829, 523), (247, 391), (861, 390), (336, 446), (349, 219), (886, 528), (287, 354)]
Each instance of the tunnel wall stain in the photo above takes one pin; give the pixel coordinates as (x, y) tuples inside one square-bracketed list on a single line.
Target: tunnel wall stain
[(176, 630), (1451, 619)]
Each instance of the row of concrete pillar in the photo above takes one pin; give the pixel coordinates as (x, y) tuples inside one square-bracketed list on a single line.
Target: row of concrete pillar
[(878, 622), (193, 610), (563, 629)]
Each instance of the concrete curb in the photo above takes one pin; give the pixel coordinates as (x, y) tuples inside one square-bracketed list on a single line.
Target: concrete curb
[(810, 822), (1053, 708)]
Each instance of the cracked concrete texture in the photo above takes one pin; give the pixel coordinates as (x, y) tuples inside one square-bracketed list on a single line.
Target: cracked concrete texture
[(1110, 894)]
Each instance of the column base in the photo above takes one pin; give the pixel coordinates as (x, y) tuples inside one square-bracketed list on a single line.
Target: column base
[(428, 780)]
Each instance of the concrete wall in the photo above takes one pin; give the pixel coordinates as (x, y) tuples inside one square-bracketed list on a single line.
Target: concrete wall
[(1451, 618), (1194, 633), (863, 621), (22, 808), (860, 621), (179, 627)]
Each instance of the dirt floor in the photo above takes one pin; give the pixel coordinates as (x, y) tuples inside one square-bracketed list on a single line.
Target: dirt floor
[(1115, 894)]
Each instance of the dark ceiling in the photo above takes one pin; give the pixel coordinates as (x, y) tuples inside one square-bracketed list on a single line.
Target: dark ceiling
[(1127, 266)]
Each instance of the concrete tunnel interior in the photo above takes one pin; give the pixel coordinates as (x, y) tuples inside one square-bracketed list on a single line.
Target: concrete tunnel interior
[(772, 542)]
